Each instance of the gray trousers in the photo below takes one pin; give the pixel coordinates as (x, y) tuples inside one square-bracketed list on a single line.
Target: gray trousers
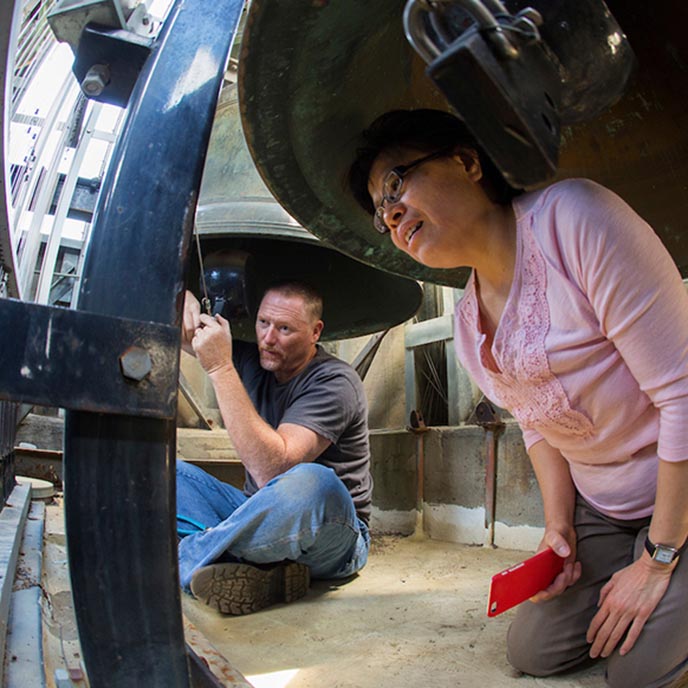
[(549, 637)]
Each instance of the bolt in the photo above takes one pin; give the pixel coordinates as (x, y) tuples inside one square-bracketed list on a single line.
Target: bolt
[(135, 363), (95, 81)]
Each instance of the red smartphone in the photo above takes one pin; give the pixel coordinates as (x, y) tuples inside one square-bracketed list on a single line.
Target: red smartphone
[(520, 582)]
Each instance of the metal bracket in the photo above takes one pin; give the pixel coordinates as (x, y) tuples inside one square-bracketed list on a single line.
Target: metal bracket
[(486, 416), (109, 51), (53, 357), (68, 18), (109, 62)]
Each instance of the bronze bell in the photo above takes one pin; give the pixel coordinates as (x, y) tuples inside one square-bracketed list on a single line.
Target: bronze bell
[(247, 241), (313, 75), (639, 147)]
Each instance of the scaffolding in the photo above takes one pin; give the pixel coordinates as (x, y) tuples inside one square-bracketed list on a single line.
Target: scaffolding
[(60, 144)]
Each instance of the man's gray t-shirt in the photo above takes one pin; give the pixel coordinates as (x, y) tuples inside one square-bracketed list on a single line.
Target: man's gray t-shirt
[(326, 397)]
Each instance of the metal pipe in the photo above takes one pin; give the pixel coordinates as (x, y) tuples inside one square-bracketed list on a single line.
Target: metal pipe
[(54, 242), (490, 483), (488, 418), (418, 427)]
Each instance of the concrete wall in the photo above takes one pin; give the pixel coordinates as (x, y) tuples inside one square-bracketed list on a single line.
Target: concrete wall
[(452, 504), (454, 486), (454, 459)]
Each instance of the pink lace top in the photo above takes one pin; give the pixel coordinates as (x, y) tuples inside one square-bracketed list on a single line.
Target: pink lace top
[(589, 357)]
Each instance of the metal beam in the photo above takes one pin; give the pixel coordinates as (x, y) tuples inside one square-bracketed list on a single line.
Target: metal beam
[(59, 357), (119, 475)]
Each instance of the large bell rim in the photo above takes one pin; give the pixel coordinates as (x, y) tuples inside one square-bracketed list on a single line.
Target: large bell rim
[(271, 105), (347, 313)]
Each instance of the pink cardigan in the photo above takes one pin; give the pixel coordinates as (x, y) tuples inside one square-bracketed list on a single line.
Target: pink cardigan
[(592, 346)]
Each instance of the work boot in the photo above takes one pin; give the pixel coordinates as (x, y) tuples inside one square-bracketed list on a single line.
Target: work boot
[(233, 588)]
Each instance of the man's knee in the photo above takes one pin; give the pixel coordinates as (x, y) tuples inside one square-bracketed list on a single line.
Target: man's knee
[(313, 491), (186, 470), (311, 480)]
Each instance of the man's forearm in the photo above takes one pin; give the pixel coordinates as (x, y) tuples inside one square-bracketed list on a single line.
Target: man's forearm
[(261, 449)]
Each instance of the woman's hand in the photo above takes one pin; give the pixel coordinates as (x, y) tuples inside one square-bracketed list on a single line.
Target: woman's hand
[(625, 604), (563, 542)]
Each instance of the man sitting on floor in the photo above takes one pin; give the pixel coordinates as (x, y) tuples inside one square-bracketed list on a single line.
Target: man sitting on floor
[(298, 419)]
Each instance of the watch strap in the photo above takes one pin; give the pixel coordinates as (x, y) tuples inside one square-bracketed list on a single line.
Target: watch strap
[(651, 549)]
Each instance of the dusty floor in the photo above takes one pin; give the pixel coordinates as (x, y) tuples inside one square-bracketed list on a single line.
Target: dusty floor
[(415, 616)]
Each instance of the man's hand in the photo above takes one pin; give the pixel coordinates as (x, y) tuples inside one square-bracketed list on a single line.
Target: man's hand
[(212, 343), (563, 542), (625, 604), (191, 321)]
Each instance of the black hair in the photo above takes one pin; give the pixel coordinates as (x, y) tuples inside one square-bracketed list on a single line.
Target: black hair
[(426, 130)]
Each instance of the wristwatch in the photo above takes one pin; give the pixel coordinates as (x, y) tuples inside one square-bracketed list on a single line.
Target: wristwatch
[(663, 554)]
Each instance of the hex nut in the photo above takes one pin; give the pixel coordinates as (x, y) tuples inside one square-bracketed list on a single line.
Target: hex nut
[(95, 81), (135, 363)]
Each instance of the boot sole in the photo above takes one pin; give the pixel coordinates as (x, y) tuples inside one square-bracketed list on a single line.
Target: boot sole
[(238, 589)]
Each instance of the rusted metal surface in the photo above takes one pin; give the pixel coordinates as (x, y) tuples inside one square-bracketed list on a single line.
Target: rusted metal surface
[(45, 464), (8, 424), (79, 360), (226, 674), (487, 417), (639, 147), (418, 427), (119, 470), (302, 117)]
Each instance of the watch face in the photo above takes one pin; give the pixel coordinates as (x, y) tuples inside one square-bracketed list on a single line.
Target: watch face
[(664, 555)]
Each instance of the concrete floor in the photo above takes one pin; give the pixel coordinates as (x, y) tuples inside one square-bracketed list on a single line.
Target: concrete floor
[(415, 616)]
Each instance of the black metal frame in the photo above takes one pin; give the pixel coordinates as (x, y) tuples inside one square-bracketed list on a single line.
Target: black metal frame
[(119, 474), (50, 352)]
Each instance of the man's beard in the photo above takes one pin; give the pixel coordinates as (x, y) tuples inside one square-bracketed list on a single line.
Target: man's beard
[(270, 362)]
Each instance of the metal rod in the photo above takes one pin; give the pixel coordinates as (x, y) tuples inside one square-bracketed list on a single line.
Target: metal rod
[(10, 12), (419, 428), (487, 417), (45, 280), (196, 407), (490, 483)]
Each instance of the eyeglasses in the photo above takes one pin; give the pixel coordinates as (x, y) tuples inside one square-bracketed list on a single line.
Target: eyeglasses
[(393, 186)]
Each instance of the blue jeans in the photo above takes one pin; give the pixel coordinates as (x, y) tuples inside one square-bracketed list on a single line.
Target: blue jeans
[(305, 514)]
